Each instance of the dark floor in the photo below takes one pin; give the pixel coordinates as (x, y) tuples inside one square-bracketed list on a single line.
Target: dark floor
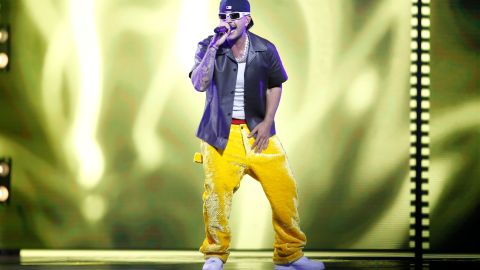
[(191, 261)]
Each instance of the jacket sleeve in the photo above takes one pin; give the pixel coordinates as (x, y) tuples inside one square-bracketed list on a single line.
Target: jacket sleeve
[(277, 74), (201, 50)]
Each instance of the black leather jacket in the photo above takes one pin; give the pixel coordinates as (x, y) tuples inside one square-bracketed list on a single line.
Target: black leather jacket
[(263, 70)]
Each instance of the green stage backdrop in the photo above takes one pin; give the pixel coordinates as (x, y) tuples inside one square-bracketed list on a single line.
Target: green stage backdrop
[(99, 116), (455, 127)]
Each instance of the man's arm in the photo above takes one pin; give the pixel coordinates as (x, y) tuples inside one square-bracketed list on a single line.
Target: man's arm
[(202, 75), (263, 129)]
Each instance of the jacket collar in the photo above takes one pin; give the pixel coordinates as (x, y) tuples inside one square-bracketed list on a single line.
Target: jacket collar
[(256, 45)]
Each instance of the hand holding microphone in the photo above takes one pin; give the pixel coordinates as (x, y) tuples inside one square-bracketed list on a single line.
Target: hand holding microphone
[(221, 33)]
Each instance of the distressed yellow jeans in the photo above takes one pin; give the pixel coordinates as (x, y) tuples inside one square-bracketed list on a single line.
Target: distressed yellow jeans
[(223, 173)]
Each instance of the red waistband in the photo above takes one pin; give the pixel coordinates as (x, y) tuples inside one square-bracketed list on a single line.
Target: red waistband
[(238, 121)]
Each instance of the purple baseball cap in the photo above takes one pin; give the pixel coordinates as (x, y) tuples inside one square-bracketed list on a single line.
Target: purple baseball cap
[(235, 6)]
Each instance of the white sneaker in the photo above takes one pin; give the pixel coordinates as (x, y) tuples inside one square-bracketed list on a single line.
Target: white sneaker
[(213, 264), (301, 264)]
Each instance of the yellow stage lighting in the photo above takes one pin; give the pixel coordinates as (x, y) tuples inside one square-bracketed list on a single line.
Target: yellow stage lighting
[(4, 169), (3, 35), (3, 60), (4, 194)]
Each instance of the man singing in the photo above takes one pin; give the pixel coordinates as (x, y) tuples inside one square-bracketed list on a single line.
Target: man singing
[(242, 75)]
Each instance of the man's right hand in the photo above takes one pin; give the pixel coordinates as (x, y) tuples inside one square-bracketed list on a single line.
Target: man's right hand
[(202, 75), (219, 39)]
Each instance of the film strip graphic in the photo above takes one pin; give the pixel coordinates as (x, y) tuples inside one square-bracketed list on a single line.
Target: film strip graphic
[(4, 37), (420, 128), (5, 175)]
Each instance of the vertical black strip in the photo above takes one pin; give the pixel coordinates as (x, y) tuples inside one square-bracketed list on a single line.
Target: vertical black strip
[(418, 141), (419, 144)]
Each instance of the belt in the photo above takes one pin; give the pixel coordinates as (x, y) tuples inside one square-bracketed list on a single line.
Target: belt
[(238, 121)]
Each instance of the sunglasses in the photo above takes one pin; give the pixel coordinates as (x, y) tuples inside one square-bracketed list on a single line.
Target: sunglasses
[(233, 15)]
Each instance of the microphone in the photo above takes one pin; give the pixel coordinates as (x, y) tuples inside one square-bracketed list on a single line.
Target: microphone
[(220, 30)]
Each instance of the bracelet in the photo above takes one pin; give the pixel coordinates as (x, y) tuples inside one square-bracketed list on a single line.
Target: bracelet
[(214, 47)]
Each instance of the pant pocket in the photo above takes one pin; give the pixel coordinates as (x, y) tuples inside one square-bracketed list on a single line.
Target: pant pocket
[(198, 158)]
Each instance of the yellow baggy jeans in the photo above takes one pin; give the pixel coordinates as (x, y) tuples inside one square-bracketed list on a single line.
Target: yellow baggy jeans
[(223, 173)]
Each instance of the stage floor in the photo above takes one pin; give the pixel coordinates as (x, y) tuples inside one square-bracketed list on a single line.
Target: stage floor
[(192, 260)]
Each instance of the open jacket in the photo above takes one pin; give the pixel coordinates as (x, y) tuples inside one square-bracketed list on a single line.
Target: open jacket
[(263, 70)]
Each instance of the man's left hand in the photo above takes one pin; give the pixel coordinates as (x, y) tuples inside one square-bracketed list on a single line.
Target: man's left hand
[(263, 135)]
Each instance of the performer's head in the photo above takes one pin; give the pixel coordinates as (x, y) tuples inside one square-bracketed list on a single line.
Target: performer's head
[(237, 14)]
